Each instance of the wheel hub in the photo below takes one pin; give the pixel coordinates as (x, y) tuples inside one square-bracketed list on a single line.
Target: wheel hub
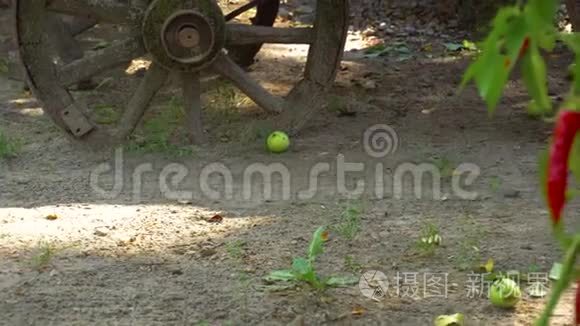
[(181, 36)]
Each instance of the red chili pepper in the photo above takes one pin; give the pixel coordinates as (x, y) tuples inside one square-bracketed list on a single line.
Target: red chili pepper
[(577, 303), (524, 48), (567, 125)]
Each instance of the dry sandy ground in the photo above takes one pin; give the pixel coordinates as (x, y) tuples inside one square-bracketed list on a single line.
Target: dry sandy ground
[(141, 258)]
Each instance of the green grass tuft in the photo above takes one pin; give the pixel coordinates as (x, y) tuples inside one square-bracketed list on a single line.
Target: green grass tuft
[(9, 147)]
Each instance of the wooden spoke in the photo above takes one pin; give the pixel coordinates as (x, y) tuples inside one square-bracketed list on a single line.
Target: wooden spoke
[(140, 4), (239, 34), (63, 40), (241, 10), (192, 104), (111, 11), (117, 54), (77, 25), (149, 86), (224, 66)]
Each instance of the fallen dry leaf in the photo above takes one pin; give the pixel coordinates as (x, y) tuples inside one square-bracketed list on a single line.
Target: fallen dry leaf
[(488, 266), (216, 219), (52, 217), (358, 311)]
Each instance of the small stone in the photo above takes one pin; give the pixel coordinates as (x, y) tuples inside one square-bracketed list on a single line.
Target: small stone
[(176, 271), (101, 232), (180, 251), (511, 193), (22, 181), (207, 252), (369, 84)]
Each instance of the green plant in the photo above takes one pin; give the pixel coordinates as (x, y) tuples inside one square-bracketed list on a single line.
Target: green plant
[(222, 104), (236, 249), (495, 184), (106, 114), (469, 244), (350, 222), (533, 268), (303, 269), (252, 132), (9, 147), (241, 292), (3, 66), (338, 106), (43, 255), (444, 165), (156, 132), (351, 265), (429, 239)]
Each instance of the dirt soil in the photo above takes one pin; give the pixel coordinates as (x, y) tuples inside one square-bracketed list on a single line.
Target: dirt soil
[(73, 256)]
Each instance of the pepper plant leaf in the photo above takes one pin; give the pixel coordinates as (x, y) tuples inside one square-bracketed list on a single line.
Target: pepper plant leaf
[(316, 244), (491, 69), (534, 76), (281, 276), (574, 159)]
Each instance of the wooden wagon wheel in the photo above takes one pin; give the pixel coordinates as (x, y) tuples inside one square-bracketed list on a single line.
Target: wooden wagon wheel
[(71, 26), (181, 36)]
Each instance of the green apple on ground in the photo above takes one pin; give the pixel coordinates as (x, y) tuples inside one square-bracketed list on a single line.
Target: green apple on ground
[(505, 293), (278, 142)]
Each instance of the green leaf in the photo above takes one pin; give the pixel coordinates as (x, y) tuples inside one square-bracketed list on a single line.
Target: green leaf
[(301, 266), (491, 80), (281, 276), (316, 244), (518, 30), (574, 160), (450, 320), (341, 281), (452, 47), (572, 193), (101, 45), (491, 70), (376, 51), (573, 42), (471, 46), (304, 271), (534, 75), (3, 66), (543, 10), (555, 272)]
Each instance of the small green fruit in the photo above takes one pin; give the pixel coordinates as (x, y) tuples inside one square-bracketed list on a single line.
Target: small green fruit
[(278, 142), (505, 293)]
